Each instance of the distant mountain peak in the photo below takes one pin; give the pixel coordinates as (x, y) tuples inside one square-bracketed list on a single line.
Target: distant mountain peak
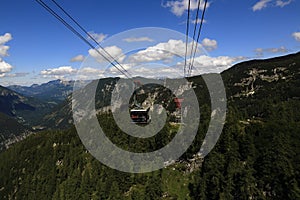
[(52, 91)]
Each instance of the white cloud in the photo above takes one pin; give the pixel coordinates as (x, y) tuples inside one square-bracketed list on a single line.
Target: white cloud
[(58, 73), (180, 6), (5, 38), (138, 39), (78, 58), (113, 71), (283, 3), (265, 3), (89, 73), (296, 35), (90, 70), (3, 50), (99, 37), (164, 71), (206, 64), (114, 51), (202, 64), (220, 61), (260, 5), (126, 66), (149, 55), (198, 21), (161, 52), (4, 68), (261, 51), (209, 44)]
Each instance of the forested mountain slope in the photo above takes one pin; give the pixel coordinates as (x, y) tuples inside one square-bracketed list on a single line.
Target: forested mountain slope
[(256, 157)]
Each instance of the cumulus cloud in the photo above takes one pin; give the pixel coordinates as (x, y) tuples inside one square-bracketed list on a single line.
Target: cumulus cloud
[(161, 52), (151, 72), (89, 73), (125, 66), (265, 3), (209, 44), (202, 64), (138, 39), (205, 64), (99, 37), (58, 73), (3, 50), (180, 6), (3, 40), (78, 58), (4, 68), (90, 70), (114, 51), (296, 35), (261, 51)]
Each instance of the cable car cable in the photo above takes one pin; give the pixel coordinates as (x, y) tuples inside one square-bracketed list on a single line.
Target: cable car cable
[(199, 32), (194, 34), (66, 24), (187, 38), (88, 34)]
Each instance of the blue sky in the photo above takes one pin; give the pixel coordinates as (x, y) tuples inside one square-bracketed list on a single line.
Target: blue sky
[(36, 48)]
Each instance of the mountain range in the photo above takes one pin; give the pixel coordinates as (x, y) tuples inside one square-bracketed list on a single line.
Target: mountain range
[(257, 155), (22, 108), (54, 91)]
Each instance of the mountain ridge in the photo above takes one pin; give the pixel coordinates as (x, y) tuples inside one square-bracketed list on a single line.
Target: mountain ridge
[(53, 91), (256, 157), (242, 80)]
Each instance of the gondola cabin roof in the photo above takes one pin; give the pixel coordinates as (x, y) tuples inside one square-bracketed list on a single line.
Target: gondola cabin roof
[(140, 115), (140, 110)]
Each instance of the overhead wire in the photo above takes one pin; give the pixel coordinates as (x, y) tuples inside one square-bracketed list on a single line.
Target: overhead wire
[(187, 38), (87, 33), (194, 33), (199, 33), (114, 62), (74, 31)]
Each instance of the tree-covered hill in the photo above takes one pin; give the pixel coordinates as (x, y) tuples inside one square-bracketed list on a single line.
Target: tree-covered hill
[(11, 131), (26, 109), (253, 159), (18, 115)]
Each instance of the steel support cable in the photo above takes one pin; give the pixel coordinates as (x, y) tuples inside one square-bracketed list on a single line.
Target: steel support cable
[(199, 32), (187, 38), (88, 34), (53, 13), (194, 34)]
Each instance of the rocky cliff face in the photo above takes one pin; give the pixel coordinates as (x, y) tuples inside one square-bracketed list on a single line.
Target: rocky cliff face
[(256, 77)]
